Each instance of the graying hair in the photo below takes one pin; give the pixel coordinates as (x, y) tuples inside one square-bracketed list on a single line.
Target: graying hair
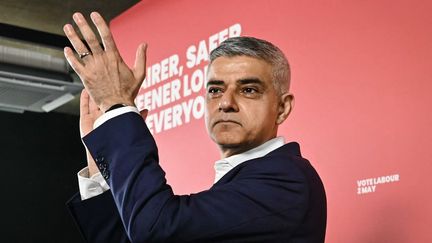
[(260, 49)]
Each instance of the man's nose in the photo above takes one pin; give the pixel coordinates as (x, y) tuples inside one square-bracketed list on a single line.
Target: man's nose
[(228, 102)]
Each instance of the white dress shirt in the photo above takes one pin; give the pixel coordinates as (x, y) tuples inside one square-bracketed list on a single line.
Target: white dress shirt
[(224, 165), (96, 185)]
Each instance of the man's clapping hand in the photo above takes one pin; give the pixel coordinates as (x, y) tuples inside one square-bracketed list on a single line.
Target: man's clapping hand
[(105, 76)]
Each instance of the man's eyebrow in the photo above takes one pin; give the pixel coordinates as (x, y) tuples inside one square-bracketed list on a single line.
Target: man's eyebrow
[(215, 82), (242, 81), (251, 81)]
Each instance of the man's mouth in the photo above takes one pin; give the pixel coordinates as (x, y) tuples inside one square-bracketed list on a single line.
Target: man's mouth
[(226, 121)]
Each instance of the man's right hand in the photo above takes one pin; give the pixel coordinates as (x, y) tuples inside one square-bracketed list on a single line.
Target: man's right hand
[(89, 112)]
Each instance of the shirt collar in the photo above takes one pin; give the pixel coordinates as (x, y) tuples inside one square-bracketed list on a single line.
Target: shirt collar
[(224, 165)]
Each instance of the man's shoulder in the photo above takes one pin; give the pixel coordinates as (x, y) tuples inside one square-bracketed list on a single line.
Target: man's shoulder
[(283, 163), (282, 158)]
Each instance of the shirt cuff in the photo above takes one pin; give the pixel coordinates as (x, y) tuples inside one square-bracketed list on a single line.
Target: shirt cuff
[(91, 187), (113, 113)]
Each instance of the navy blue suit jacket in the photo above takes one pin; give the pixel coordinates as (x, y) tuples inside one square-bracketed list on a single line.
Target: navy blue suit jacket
[(275, 198)]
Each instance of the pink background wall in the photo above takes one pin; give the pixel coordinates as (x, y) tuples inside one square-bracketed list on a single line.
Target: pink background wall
[(361, 74)]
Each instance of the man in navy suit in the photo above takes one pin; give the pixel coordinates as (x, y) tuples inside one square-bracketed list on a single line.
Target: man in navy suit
[(264, 190)]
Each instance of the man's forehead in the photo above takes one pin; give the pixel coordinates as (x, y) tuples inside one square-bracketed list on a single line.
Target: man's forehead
[(238, 68), (237, 60)]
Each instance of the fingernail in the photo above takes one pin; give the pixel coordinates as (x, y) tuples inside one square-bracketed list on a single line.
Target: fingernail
[(93, 14), (77, 17), (67, 28)]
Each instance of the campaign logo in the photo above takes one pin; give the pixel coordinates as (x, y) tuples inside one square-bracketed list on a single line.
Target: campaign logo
[(369, 185)]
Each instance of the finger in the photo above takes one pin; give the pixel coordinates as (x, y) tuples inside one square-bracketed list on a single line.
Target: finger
[(74, 62), (84, 103), (74, 39), (104, 32), (144, 114), (140, 62), (87, 33)]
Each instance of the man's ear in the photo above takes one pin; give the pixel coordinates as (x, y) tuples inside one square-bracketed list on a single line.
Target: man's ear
[(286, 104)]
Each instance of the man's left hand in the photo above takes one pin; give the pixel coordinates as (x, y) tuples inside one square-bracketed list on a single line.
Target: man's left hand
[(105, 76)]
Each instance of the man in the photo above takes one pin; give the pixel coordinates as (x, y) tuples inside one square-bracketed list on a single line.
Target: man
[(264, 190)]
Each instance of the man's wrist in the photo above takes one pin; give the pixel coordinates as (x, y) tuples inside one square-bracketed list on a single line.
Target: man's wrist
[(108, 106), (116, 106), (116, 112)]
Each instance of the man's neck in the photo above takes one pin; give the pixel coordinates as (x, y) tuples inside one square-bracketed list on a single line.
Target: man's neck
[(233, 149)]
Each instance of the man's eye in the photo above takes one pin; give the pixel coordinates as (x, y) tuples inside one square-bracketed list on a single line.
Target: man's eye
[(249, 90), (213, 90)]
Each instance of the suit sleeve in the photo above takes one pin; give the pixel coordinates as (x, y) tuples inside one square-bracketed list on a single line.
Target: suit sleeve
[(259, 202), (97, 218)]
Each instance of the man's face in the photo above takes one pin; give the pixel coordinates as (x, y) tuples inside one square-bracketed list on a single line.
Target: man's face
[(241, 103)]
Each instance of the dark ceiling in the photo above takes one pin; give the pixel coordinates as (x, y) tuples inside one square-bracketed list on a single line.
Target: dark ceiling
[(37, 25), (50, 15)]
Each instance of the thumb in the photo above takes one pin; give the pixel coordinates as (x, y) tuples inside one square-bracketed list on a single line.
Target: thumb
[(144, 114), (140, 62)]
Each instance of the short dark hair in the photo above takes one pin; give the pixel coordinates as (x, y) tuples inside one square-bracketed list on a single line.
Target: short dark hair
[(260, 49)]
